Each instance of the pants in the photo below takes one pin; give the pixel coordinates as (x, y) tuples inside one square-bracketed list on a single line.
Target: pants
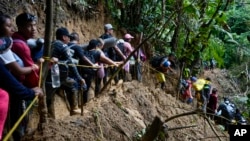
[(88, 79), (69, 85)]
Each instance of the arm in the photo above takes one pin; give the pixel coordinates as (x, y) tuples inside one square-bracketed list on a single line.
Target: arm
[(18, 70), (79, 54), (11, 85), (106, 60), (23, 51), (119, 52)]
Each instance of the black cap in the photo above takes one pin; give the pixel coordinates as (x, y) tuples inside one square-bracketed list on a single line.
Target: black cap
[(5, 43), (62, 31)]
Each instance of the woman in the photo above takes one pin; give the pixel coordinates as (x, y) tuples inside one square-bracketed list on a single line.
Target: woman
[(16, 66), (9, 85), (12, 61), (94, 56)]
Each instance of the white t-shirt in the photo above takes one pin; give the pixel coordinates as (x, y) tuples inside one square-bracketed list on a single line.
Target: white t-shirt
[(7, 57)]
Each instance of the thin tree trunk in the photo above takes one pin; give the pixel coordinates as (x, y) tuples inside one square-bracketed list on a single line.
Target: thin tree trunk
[(46, 54)]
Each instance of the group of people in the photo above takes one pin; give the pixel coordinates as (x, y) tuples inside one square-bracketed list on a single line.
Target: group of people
[(207, 100), (20, 63)]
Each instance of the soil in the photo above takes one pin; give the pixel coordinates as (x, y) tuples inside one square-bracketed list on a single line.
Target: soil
[(123, 111), (127, 109)]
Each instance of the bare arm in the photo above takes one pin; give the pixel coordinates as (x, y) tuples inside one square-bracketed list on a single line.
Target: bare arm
[(106, 60), (119, 52), (18, 70), (84, 58)]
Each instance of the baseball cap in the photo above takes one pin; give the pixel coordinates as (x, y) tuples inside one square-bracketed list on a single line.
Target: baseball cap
[(108, 26), (5, 44), (62, 31), (128, 36), (166, 64)]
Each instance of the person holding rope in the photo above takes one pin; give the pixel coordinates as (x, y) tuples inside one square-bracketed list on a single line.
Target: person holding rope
[(111, 51), (64, 54), (19, 63), (94, 54), (11, 86), (27, 28)]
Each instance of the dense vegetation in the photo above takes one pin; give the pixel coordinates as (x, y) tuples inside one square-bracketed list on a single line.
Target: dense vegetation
[(195, 30)]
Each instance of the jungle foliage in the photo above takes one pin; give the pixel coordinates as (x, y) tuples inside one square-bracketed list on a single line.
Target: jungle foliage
[(195, 30)]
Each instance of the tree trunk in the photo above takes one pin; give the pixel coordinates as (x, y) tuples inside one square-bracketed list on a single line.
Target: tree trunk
[(46, 54)]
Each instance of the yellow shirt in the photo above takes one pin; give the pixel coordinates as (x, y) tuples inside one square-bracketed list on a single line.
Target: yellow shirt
[(199, 84)]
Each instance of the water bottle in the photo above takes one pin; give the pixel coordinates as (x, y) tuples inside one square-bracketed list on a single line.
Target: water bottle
[(55, 76)]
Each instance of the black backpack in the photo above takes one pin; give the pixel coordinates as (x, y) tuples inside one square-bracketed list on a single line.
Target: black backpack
[(155, 61), (122, 48), (206, 90)]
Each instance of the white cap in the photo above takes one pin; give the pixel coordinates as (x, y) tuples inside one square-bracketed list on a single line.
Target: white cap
[(120, 41), (108, 26)]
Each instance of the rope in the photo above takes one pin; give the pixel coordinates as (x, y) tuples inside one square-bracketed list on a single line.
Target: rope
[(83, 66), (158, 71), (20, 120), (27, 110)]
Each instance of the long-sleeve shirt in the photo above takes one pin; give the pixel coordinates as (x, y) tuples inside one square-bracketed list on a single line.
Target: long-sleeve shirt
[(9, 83), (21, 49), (62, 52)]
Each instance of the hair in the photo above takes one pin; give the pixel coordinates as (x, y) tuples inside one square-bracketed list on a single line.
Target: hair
[(100, 42), (3, 18), (92, 44), (214, 90), (74, 36), (208, 79), (24, 18), (126, 40)]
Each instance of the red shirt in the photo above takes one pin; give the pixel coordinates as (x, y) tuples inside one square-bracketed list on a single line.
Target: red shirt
[(212, 104), (21, 48)]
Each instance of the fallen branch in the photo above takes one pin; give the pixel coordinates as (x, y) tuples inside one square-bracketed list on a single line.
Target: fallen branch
[(212, 127), (181, 127), (153, 131)]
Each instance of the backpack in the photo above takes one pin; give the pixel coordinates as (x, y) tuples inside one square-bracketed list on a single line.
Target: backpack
[(90, 56), (206, 90), (155, 61), (122, 48)]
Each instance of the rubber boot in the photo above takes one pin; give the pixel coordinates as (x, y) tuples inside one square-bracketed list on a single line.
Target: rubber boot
[(74, 106)]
